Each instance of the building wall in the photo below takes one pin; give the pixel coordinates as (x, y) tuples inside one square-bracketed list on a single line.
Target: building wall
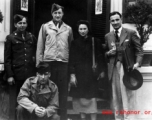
[(5, 25)]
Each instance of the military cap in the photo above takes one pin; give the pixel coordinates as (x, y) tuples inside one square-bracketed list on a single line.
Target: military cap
[(18, 18), (55, 7), (43, 67)]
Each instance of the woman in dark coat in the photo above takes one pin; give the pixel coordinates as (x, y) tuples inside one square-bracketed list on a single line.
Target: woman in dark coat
[(19, 58), (83, 80)]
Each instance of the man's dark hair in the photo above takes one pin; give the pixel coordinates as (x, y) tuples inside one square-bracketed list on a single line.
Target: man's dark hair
[(114, 13)]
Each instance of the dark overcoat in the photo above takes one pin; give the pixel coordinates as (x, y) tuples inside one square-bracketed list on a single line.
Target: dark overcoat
[(80, 63), (19, 55)]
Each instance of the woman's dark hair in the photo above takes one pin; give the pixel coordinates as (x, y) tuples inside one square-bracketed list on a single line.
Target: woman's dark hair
[(114, 13), (86, 23), (18, 18)]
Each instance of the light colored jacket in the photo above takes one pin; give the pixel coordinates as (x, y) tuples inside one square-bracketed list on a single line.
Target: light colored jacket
[(30, 96), (53, 43)]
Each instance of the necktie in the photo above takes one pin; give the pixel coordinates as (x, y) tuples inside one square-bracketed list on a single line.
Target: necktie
[(117, 37), (23, 37)]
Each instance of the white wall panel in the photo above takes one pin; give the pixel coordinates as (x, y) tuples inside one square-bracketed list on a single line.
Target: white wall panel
[(4, 26)]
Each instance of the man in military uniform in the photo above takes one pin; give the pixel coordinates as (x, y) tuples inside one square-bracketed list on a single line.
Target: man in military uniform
[(19, 59), (38, 97)]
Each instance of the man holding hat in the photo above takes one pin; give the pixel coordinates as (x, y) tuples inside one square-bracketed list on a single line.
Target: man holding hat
[(38, 97), (53, 46), (116, 41)]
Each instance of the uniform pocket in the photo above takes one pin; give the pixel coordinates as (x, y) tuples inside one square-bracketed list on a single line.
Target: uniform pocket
[(17, 45)]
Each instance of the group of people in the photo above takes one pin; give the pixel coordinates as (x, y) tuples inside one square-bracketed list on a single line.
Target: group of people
[(40, 71)]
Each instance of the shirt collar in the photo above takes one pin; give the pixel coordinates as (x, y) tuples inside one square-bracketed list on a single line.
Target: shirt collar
[(52, 25), (55, 23), (119, 30), (36, 84)]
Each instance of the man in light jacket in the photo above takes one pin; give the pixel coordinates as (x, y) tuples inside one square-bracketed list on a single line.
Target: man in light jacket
[(53, 47), (38, 97)]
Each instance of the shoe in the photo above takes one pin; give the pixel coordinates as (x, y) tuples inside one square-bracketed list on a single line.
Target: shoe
[(69, 119)]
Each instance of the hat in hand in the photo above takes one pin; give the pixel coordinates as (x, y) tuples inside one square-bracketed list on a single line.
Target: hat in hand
[(55, 7), (43, 68), (133, 79)]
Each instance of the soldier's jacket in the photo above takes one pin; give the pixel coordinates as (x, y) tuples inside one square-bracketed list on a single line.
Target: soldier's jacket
[(30, 96), (19, 55)]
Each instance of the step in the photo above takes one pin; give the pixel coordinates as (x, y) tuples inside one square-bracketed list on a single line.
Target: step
[(101, 105)]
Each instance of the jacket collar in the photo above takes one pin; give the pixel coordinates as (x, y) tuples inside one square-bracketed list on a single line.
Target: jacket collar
[(60, 23), (62, 28), (123, 35), (35, 85)]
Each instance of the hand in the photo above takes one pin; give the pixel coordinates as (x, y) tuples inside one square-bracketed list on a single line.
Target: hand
[(73, 80), (101, 75), (40, 111), (11, 81), (111, 52), (44, 111), (136, 65)]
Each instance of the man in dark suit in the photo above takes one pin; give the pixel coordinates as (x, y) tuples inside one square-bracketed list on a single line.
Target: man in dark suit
[(116, 40)]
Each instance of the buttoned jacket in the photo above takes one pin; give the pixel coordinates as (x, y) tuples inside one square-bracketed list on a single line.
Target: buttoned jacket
[(53, 43), (30, 96), (127, 37), (19, 55)]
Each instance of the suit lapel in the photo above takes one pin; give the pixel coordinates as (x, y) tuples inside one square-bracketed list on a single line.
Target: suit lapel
[(52, 26), (112, 37), (122, 36)]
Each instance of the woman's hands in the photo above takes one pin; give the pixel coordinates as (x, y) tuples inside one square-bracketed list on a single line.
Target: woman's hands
[(101, 75), (73, 81), (11, 81)]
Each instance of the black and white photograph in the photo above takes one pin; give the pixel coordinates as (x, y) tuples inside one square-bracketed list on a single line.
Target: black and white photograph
[(24, 5), (75, 59), (98, 7)]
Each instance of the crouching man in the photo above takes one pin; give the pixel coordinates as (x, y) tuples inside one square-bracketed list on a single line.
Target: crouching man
[(38, 97)]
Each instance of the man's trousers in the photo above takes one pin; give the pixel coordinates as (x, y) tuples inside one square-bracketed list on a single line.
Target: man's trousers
[(13, 93), (59, 75), (122, 98)]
